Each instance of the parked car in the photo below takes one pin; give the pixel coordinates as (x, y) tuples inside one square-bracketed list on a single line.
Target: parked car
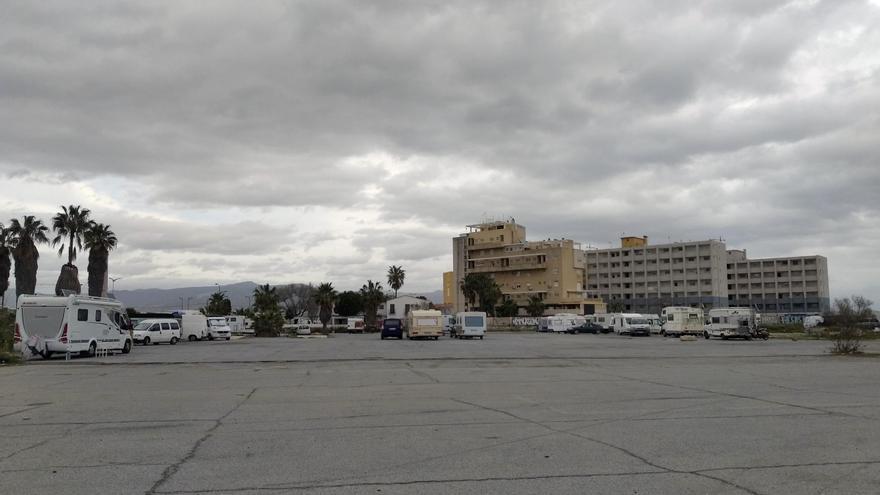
[(588, 327), (157, 331), (392, 327)]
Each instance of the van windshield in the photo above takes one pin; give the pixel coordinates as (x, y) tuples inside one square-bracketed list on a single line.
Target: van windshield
[(637, 321), (217, 323), (144, 325)]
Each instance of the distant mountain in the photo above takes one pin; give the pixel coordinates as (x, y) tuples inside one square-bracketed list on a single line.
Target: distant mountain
[(192, 297)]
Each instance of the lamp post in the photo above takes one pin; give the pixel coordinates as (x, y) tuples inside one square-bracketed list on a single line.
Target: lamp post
[(113, 281)]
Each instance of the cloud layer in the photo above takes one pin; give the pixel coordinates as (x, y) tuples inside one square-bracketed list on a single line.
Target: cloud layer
[(327, 140)]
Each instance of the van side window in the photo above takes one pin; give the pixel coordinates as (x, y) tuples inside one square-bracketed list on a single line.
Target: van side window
[(166, 326), (97, 315), (82, 315), (670, 317), (155, 327), (175, 326)]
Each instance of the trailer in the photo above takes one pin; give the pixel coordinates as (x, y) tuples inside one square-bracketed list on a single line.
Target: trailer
[(681, 320), (731, 323), (560, 323), (424, 323)]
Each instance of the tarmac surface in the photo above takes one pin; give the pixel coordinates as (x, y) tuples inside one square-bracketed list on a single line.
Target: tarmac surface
[(517, 413)]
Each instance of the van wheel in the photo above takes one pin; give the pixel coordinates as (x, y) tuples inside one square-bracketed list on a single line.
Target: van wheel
[(210, 337), (93, 349), (663, 333), (47, 354), (173, 340), (146, 341), (706, 335), (192, 338), (227, 338), (127, 347), (481, 337)]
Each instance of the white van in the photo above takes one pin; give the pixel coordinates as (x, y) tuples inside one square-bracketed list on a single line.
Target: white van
[(630, 324), (731, 323), (156, 331), (681, 320), (218, 328), (193, 326), (46, 325), (469, 324), (654, 322)]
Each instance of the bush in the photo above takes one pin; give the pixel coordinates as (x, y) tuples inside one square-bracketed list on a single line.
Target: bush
[(848, 312), (7, 323)]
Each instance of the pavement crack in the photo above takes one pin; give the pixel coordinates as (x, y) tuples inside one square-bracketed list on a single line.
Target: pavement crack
[(174, 468)]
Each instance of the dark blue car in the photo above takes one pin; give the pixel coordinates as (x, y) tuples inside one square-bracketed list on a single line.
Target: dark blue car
[(392, 327)]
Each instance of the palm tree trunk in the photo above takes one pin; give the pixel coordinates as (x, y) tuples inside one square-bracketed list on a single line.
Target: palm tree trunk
[(25, 255), (97, 270)]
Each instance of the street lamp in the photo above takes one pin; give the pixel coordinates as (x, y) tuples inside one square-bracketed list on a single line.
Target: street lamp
[(112, 279)]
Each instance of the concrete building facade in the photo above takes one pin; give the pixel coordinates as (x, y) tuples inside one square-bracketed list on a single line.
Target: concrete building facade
[(552, 270), (644, 278), (789, 285)]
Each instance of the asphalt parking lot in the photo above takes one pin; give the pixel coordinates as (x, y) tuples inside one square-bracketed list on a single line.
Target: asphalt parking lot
[(512, 414)]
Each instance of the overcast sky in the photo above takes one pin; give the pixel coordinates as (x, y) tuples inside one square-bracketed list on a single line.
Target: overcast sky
[(325, 140)]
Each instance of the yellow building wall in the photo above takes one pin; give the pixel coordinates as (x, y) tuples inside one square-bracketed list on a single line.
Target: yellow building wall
[(448, 288)]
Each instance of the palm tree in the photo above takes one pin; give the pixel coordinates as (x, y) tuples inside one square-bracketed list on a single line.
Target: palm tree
[(372, 296), (25, 236), (268, 319), (70, 224), (99, 240), (535, 307), (5, 263), (396, 274), (325, 296)]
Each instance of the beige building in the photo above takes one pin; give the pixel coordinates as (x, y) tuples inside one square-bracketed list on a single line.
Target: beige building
[(449, 289), (552, 269), (796, 284)]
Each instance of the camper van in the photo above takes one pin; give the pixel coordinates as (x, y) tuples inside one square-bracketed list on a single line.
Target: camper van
[(469, 324), (603, 320), (218, 328), (681, 320), (239, 324), (355, 324), (731, 323), (193, 325), (630, 324), (424, 323), (47, 325), (560, 323)]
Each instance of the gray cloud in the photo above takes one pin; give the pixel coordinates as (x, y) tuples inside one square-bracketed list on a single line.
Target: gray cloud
[(752, 120)]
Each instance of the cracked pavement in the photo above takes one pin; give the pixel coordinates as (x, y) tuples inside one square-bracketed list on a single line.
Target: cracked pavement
[(513, 414)]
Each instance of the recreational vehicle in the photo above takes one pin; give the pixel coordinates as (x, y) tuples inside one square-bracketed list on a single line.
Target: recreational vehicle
[(469, 324), (630, 324), (681, 320), (731, 323), (355, 324), (424, 323), (239, 324), (218, 328), (46, 325), (560, 323)]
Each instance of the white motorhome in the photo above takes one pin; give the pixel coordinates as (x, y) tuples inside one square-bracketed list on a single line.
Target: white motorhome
[(731, 323), (427, 323), (156, 331), (603, 320), (630, 324), (218, 328), (193, 325), (560, 323), (239, 324), (46, 325), (813, 321), (654, 322), (681, 320), (355, 324), (469, 324)]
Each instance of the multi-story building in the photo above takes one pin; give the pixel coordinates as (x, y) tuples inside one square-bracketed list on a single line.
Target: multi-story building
[(644, 278), (552, 269), (791, 285)]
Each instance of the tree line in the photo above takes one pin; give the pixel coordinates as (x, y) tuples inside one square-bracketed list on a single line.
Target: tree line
[(75, 231), (273, 305), (484, 294)]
